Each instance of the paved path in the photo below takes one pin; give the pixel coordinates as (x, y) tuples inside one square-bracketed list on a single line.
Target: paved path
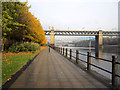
[(51, 70)]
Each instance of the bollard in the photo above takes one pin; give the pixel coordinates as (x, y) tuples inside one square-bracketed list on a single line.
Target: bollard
[(70, 53), (88, 61), (77, 56), (114, 71)]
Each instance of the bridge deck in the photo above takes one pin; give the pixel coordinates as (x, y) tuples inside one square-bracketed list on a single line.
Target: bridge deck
[(51, 70)]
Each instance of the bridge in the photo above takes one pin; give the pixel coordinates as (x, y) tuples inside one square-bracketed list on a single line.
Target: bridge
[(98, 36), (81, 33)]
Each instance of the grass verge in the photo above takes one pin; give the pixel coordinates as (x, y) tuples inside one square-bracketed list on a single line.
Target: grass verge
[(12, 62)]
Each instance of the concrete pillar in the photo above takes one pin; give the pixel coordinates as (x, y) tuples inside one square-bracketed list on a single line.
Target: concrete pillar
[(52, 37), (99, 44)]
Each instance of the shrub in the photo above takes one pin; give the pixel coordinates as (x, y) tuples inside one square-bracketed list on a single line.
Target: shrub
[(26, 46), (12, 49)]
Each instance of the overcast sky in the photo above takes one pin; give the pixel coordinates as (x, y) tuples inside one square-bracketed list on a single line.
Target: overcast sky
[(76, 14)]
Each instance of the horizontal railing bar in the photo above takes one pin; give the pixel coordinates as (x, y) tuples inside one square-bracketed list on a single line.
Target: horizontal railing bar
[(73, 56), (117, 76), (82, 54), (101, 59), (68, 50), (100, 68), (117, 63), (73, 52), (93, 64), (82, 60)]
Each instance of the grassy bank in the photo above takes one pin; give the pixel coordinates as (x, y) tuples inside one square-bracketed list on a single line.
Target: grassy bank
[(12, 62)]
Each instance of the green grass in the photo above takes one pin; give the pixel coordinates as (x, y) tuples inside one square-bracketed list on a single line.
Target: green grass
[(12, 63)]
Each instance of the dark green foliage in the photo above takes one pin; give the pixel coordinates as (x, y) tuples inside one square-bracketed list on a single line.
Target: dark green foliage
[(26, 46)]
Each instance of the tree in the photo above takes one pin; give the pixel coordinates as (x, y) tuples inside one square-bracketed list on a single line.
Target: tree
[(19, 25)]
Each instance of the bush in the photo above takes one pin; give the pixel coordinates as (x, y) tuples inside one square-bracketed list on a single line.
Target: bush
[(12, 49), (26, 46)]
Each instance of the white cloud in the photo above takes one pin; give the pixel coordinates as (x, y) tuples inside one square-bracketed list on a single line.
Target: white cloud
[(73, 14)]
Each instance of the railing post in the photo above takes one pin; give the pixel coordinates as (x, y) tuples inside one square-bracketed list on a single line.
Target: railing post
[(70, 53), (60, 50), (77, 56), (114, 71), (63, 51), (88, 61), (66, 52)]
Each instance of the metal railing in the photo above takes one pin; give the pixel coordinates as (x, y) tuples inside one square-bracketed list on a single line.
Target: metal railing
[(114, 62)]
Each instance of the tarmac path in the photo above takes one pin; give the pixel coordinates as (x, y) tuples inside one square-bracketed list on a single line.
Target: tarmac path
[(51, 70)]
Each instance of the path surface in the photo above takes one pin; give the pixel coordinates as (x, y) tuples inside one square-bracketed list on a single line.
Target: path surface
[(51, 70)]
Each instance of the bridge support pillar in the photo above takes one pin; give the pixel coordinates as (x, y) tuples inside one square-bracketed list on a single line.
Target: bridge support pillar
[(99, 44), (52, 37)]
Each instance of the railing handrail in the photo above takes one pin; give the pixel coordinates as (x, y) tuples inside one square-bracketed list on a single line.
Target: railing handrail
[(114, 62), (118, 63), (82, 54), (96, 57), (101, 59)]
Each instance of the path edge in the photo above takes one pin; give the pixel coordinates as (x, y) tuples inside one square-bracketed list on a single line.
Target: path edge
[(7, 84)]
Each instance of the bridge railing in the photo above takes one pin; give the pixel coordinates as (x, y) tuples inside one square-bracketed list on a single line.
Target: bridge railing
[(114, 62)]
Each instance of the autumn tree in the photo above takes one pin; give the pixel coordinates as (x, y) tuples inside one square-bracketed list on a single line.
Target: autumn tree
[(19, 25)]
